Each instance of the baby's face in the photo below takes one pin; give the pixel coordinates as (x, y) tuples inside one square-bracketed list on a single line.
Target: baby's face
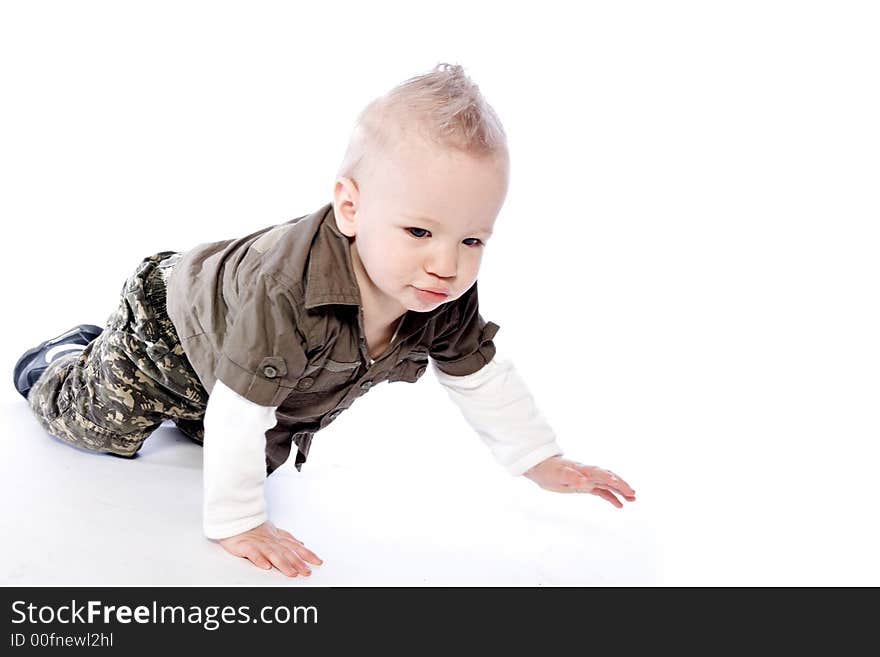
[(422, 223)]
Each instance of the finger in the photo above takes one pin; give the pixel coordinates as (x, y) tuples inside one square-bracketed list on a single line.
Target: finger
[(287, 534), (290, 544), (281, 562), (622, 493), (572, 477), (608, 495), (299, 564), (618, 484), (585, 485), (301, 551), (296, 553), (607, 479), (305, 553), (253, 555)]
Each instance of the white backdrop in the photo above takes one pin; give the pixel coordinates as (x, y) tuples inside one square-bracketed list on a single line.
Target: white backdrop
[(682, 272)]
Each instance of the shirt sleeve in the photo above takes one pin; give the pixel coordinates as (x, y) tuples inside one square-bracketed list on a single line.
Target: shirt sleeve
[(262, 353), (497, 404), (234, 463), (463, 343)]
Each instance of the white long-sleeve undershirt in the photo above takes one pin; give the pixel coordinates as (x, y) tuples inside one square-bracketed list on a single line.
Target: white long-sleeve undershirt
[(499, 407), (494, 401), (234, 462)]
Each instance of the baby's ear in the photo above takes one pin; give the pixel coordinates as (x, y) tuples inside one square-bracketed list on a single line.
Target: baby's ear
[(344, 212)]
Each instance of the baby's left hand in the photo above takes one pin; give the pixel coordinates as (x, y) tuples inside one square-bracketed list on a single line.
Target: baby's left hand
[(563, 476)]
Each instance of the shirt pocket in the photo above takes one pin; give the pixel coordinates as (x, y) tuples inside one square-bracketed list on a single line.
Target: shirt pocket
[(327, 375), (410, 367)]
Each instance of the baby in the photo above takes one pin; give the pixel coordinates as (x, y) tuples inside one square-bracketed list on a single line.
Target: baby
[(253, 345)]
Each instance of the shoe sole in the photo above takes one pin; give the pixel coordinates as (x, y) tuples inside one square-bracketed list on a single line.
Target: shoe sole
[(87, 332)]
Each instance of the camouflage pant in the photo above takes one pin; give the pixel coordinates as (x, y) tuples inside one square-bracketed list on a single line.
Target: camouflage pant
[(112, 395)]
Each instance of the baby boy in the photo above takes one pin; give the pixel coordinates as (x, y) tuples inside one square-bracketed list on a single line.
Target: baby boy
[(253, 345)]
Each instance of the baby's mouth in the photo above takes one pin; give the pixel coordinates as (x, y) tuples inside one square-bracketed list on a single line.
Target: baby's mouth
[(430, 294)]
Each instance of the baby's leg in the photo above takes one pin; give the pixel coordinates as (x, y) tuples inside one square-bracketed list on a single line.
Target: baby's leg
[(192, 429), (111, 396)]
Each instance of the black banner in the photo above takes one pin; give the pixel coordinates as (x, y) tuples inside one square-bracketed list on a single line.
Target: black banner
[(249, 618)]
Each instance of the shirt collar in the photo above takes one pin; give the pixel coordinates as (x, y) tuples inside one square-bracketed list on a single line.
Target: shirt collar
[(330, 278)]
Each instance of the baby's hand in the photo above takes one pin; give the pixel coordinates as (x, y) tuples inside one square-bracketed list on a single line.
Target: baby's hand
[(266, 546), (563, 476)]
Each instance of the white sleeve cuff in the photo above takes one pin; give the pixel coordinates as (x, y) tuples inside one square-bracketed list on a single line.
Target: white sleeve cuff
[(496, 403), (234, 462)]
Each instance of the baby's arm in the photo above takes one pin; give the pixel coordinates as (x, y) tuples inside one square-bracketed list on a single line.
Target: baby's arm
[(496, 403), (234, 479)]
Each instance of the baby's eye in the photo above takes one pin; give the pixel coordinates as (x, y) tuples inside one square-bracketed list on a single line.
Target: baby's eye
[(478, 242), (416, 229)]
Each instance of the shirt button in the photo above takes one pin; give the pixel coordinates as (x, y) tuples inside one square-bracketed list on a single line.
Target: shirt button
[(305, 383), (366, 385), (270, 372)]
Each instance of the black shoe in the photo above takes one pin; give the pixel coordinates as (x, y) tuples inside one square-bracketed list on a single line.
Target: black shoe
[(35, 361)]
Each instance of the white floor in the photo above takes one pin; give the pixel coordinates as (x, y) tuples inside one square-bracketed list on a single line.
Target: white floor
[(381, 507)]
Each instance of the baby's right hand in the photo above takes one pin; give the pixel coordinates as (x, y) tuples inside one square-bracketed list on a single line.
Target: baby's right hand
[(266, 546)]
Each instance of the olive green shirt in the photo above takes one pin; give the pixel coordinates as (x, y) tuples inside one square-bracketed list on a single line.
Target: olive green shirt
[(276, 315)]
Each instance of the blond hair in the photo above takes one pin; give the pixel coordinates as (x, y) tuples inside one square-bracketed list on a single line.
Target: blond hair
[(443, 108)]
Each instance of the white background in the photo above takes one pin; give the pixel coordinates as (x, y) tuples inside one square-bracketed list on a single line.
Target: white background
[(685, 273)]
